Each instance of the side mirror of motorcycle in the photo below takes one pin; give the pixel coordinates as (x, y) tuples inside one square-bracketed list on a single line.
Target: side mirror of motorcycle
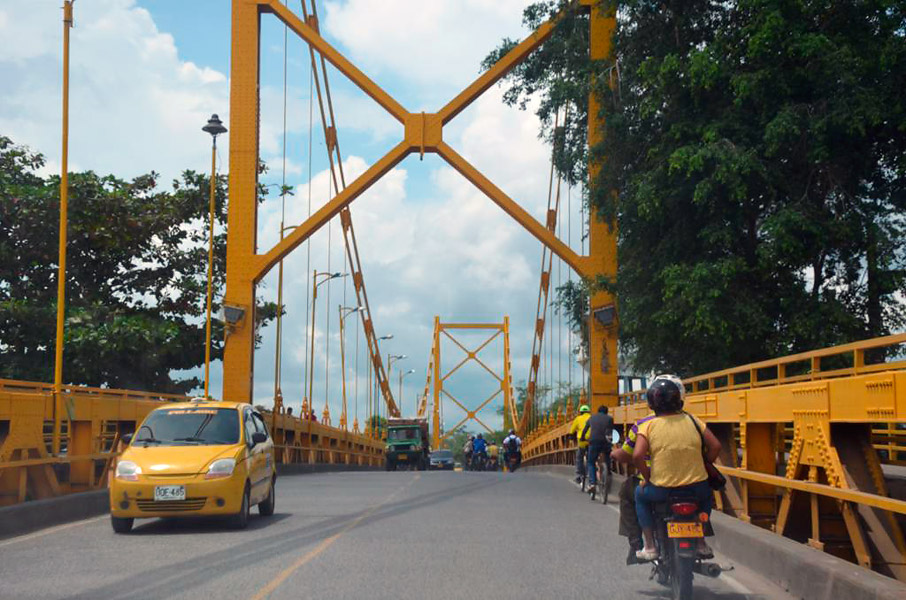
[(614, 437)]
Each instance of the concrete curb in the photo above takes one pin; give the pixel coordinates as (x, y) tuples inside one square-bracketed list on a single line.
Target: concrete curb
[(800, 570), (29, 517)]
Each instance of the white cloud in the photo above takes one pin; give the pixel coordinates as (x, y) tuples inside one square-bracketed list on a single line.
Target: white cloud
[(429, 43)]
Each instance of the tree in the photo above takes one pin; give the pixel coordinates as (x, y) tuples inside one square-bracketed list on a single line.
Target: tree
[(759, 153), (136, 276)]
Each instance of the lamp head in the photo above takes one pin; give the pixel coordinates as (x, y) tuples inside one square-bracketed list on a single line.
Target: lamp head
[(215, 126)]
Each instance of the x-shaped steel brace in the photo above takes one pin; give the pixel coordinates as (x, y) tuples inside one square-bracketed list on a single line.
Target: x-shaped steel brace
[(423, 133)]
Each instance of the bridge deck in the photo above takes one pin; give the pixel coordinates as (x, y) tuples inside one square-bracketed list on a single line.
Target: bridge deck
[(352, 535)]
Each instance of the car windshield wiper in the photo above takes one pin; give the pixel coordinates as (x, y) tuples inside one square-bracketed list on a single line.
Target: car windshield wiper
[(150, 440), (191, 438)]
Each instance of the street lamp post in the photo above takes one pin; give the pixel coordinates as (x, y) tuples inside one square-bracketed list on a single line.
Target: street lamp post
[(374, 386), (345, 311), (64, 219), (214, 127), (403, 376), (311, 371), (391, 358)]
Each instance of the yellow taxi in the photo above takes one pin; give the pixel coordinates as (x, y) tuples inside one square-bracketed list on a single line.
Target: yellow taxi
[(197, 458)]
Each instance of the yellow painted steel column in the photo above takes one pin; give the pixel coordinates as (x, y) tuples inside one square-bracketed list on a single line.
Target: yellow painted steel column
[(64, 221), (602, 343), (437, 383), (243, 216)]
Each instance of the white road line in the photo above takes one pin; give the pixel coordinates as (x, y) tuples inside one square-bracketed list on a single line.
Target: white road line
[(49, 530)]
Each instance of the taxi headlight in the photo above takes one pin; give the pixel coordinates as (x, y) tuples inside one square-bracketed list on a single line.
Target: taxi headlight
[(128, 470), (221, 468)]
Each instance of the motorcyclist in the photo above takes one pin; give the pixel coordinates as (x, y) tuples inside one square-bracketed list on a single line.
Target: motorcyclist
[(674, 442), (467, 452), (598, 431), (493, 454), (512, 446), (576, 430), (479, 449)]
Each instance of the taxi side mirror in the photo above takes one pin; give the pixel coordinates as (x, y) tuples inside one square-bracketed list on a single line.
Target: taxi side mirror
[(258, 438)]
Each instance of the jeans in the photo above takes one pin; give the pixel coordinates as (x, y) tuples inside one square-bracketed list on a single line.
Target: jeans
[(649, 494), (580, 461), (594, 451)]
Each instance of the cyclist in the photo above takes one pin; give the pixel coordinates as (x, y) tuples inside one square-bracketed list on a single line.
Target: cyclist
[(479, 449), (512, 447), (598, 430), (674, 441), (576, 430), (467, 452)]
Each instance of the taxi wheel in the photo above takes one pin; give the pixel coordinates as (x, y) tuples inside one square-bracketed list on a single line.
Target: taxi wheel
[(121, 525), (266, 507), (241, 519)]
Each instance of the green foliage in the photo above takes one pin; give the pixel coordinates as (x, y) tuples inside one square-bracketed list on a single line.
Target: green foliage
[(759, 152), (136, 275)]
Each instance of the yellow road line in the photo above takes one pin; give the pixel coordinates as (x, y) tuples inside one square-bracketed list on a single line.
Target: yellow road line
[(324, 545), (49, 530)]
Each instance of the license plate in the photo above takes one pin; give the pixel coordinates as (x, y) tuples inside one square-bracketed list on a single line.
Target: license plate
[(169, 492), (685, 530), (403, 457)]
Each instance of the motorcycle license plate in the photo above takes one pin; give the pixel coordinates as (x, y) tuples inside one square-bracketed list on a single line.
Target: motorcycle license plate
[(685, 530), (169, 492)]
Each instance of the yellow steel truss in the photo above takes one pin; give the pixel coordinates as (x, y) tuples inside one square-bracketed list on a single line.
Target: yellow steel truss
[(423, 133), (437, 378)]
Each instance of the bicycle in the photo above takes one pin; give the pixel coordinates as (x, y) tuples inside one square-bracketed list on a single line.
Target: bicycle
[(604, 477)]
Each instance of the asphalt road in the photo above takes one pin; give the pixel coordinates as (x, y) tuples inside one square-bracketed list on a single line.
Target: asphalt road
[(362, 535)]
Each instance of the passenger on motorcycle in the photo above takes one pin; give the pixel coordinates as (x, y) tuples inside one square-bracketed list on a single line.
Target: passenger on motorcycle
[(512, 446), (576, 430), (629, 521), (674, 444)]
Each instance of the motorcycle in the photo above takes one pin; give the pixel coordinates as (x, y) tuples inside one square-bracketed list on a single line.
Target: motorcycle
[(512, 462), (478, 461), (679, 524), (492, 464)]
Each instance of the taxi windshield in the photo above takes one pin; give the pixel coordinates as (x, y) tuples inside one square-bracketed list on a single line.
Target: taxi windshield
[(190, 426)]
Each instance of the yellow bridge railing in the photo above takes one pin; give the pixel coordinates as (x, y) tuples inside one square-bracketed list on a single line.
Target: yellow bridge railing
[(97, 418), (811, 444)]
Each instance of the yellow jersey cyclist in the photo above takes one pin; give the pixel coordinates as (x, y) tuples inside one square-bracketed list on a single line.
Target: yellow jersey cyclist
[(576, 430)]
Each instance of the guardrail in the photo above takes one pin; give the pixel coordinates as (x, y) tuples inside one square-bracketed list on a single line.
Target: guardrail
[(97, 418), (810, 442)]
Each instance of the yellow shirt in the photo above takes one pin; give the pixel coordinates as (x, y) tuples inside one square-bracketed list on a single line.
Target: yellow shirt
[(492, 451), (577, 427), (675, 448)]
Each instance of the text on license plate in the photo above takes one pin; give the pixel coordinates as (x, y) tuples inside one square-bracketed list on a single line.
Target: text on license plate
[(169, 492), (682, 530)]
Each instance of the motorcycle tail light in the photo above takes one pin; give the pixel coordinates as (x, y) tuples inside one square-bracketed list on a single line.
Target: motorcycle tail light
[(684, 508)]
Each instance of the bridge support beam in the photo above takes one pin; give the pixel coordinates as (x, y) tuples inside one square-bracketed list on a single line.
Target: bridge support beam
[(603, 326)]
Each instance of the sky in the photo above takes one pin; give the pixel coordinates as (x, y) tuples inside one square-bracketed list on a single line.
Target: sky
[(146, 75)]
